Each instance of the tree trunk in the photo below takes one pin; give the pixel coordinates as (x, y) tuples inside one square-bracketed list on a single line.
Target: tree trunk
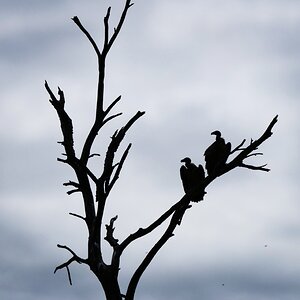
[(109, 281)]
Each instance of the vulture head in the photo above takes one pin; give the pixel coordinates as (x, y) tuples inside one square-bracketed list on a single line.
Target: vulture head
[(186, 160), (217, 133)]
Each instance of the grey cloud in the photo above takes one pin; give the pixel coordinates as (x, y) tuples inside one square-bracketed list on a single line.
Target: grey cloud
[(238, 281), (30, 171), (194, 66)]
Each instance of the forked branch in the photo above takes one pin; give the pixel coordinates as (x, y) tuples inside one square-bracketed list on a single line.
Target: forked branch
[(110, 233), (74, 258), (144, 231), (101, 55), (116, 139), (169, 232), (109, 42), (238, 161)]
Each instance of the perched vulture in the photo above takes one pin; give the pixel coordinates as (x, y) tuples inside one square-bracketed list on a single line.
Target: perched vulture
[(191, 175), (216, 154)]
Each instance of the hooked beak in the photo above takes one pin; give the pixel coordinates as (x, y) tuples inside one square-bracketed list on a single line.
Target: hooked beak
[(216, 132)]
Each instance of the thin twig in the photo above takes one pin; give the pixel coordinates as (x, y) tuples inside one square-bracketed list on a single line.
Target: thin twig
[(94, 154), (73, 191), (109, 108), (78, 216), (69, 274), (66, 264), (239, 147), (106, 27), (119, 168), (255, 154), (87, 34), (257, 168), (111, 117)]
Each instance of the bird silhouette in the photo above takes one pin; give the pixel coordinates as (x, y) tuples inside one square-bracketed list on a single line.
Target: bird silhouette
[(216, 154), (191, 176)]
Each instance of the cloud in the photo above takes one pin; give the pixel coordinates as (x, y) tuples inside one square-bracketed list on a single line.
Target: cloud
[(239, 281), (194, 67)]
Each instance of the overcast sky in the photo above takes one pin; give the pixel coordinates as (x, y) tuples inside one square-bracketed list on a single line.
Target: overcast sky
[(194, 66)]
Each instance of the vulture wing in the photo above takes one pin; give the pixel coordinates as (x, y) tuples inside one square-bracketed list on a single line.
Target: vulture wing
[(184, 178)]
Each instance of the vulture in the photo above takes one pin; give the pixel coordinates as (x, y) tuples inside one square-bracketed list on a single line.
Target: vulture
[(191, 175), (216, 154)]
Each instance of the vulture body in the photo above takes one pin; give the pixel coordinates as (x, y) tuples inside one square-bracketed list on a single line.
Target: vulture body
[(216, 154), (191, 176)]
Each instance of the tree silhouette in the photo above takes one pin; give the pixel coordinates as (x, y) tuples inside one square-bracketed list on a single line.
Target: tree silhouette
[(103, 183)]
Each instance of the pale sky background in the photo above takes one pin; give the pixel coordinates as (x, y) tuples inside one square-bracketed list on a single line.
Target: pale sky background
[(194, 66)]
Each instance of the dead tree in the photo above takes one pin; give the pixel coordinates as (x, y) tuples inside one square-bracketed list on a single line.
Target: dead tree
[(88, 181)]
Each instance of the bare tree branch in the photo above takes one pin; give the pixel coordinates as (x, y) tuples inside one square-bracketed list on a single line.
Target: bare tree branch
[(69, 274), (113, 147), (78, 216), (84, 175), (169, 232), (180, 210), (94, 154), (75, 184), (144, 231), (66, 265), (238, 160), (119, 168), (65, 121), (107, 46), (257, 168), (72, 183), (88, 171), (111, 117), (110, 107), (73, 191), (239, 147), (78, 259), (74, 258), (101, 67), (254, 154), (110, 233), (106, 27), (86, 33)]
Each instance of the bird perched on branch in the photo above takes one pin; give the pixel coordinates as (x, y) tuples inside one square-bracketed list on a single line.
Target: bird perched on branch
[(216, 154), (191, 176)]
